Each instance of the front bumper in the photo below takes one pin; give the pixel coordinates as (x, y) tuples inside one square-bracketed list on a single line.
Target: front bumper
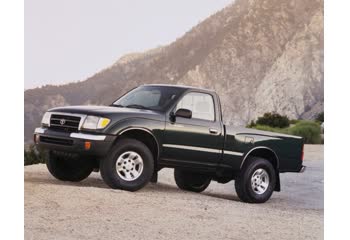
[(80, 143)]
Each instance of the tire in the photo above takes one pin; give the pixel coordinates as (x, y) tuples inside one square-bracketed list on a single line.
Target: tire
[(264, 186), (129, 165), (191, 181), (69, 168)]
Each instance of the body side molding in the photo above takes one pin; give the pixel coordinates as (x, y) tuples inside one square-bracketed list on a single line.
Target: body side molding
[(212, 150)]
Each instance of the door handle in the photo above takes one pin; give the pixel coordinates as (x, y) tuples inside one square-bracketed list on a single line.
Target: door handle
[(213, 131)]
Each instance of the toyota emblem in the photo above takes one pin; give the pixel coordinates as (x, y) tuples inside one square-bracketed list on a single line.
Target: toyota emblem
[(62, 121)]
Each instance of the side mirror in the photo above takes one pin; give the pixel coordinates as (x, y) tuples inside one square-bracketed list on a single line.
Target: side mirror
[(185, 113)]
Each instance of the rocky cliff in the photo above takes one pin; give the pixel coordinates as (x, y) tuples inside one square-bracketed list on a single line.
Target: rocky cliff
[(259, 55)]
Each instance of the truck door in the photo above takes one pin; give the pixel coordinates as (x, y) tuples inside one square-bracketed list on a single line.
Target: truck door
[(197, 140)]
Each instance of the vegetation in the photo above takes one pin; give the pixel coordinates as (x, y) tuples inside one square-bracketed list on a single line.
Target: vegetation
[(273, 122), (273, 119), (252, 124), (320, 117), (309, 130), (293, 121), (271, 129), (33, 155)]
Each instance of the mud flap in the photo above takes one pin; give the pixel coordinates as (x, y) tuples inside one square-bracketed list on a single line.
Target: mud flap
[(278, 183), (154, 178)]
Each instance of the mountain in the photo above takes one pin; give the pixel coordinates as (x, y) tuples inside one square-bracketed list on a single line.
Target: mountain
[(259, 55)]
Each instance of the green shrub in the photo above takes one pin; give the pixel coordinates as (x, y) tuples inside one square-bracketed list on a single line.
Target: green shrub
[(251, 124), (273, 119), (320, 117), (293, 121), (271, 129), (310, 131), (34, 156)]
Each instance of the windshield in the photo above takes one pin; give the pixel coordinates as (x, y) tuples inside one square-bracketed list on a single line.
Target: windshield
[(149, 97)]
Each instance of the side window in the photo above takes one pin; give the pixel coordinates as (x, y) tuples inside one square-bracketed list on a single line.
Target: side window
[(201, 105)]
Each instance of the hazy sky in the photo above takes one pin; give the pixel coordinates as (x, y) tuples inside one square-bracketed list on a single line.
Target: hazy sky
[(70, 40)]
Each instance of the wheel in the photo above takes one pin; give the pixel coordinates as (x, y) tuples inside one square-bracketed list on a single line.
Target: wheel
[(191, 181), (129, 165), (69, 168), (256, 181)]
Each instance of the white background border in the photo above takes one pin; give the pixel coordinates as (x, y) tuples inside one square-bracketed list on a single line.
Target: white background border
[(337, 109), (337, 119), (11, 120)]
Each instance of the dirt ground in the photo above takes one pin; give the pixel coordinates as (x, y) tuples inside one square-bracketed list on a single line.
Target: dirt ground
[(90, 210)]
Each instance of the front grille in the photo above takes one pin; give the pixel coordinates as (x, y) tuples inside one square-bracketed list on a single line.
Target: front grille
[(59, 141), (64, 123)]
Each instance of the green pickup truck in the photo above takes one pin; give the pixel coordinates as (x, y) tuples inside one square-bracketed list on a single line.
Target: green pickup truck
[(165, 126)]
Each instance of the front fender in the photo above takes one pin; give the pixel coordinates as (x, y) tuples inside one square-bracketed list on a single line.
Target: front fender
[(155, 127)]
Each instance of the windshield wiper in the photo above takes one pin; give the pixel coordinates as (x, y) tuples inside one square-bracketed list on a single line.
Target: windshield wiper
[(136, 106), (117, 105)]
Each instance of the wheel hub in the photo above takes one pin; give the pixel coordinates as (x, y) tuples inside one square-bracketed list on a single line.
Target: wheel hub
[(129, 166), (260, 181)]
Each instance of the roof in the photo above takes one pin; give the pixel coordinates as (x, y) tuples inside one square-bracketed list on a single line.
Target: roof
[(180, 86)]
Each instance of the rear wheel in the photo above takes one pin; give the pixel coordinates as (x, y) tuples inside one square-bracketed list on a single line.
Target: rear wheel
[(191, 181), (69, 168), (256, 181), (129, 165)]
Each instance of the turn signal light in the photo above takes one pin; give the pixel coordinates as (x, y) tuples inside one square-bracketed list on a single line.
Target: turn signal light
[(87, 145)]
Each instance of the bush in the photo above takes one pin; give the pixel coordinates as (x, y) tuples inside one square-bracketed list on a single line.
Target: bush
[(320, 117), (273, 119), (34, 156), (251, 124), (310, 131), (293, 121), (271, 129)]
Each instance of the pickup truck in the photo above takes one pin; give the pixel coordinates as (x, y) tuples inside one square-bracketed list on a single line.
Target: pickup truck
[(166, 126)]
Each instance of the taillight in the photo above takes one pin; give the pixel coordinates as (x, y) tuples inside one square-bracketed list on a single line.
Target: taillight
[(302, 153)]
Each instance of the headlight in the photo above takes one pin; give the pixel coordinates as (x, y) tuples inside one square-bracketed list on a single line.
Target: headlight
[(92, 122), (46, 119)]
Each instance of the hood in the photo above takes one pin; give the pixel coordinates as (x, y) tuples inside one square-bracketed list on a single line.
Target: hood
[(109, 112)]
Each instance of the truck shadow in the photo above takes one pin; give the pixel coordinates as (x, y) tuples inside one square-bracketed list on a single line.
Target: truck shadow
[(96, 182), (89, 182)]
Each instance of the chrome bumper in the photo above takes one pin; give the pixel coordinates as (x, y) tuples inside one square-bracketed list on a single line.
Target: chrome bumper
[(76, 135)]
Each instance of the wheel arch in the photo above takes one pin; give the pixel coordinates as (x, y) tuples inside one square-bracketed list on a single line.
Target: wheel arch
[(268, 154), (145, 136)]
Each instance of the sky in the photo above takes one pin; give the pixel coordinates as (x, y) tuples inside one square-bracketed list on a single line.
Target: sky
[(70, 40)]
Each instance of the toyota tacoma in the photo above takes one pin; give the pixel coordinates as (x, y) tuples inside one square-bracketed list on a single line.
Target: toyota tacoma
[(165, 126)]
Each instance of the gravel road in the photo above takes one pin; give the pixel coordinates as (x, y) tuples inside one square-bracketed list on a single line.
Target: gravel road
[(90, 210)]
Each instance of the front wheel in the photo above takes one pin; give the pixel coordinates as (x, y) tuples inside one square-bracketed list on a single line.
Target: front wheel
[(128, 166), (69, 168), (191, 181), (257, 180)]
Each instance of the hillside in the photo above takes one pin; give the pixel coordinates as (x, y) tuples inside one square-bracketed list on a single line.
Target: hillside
[(259, 55)]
